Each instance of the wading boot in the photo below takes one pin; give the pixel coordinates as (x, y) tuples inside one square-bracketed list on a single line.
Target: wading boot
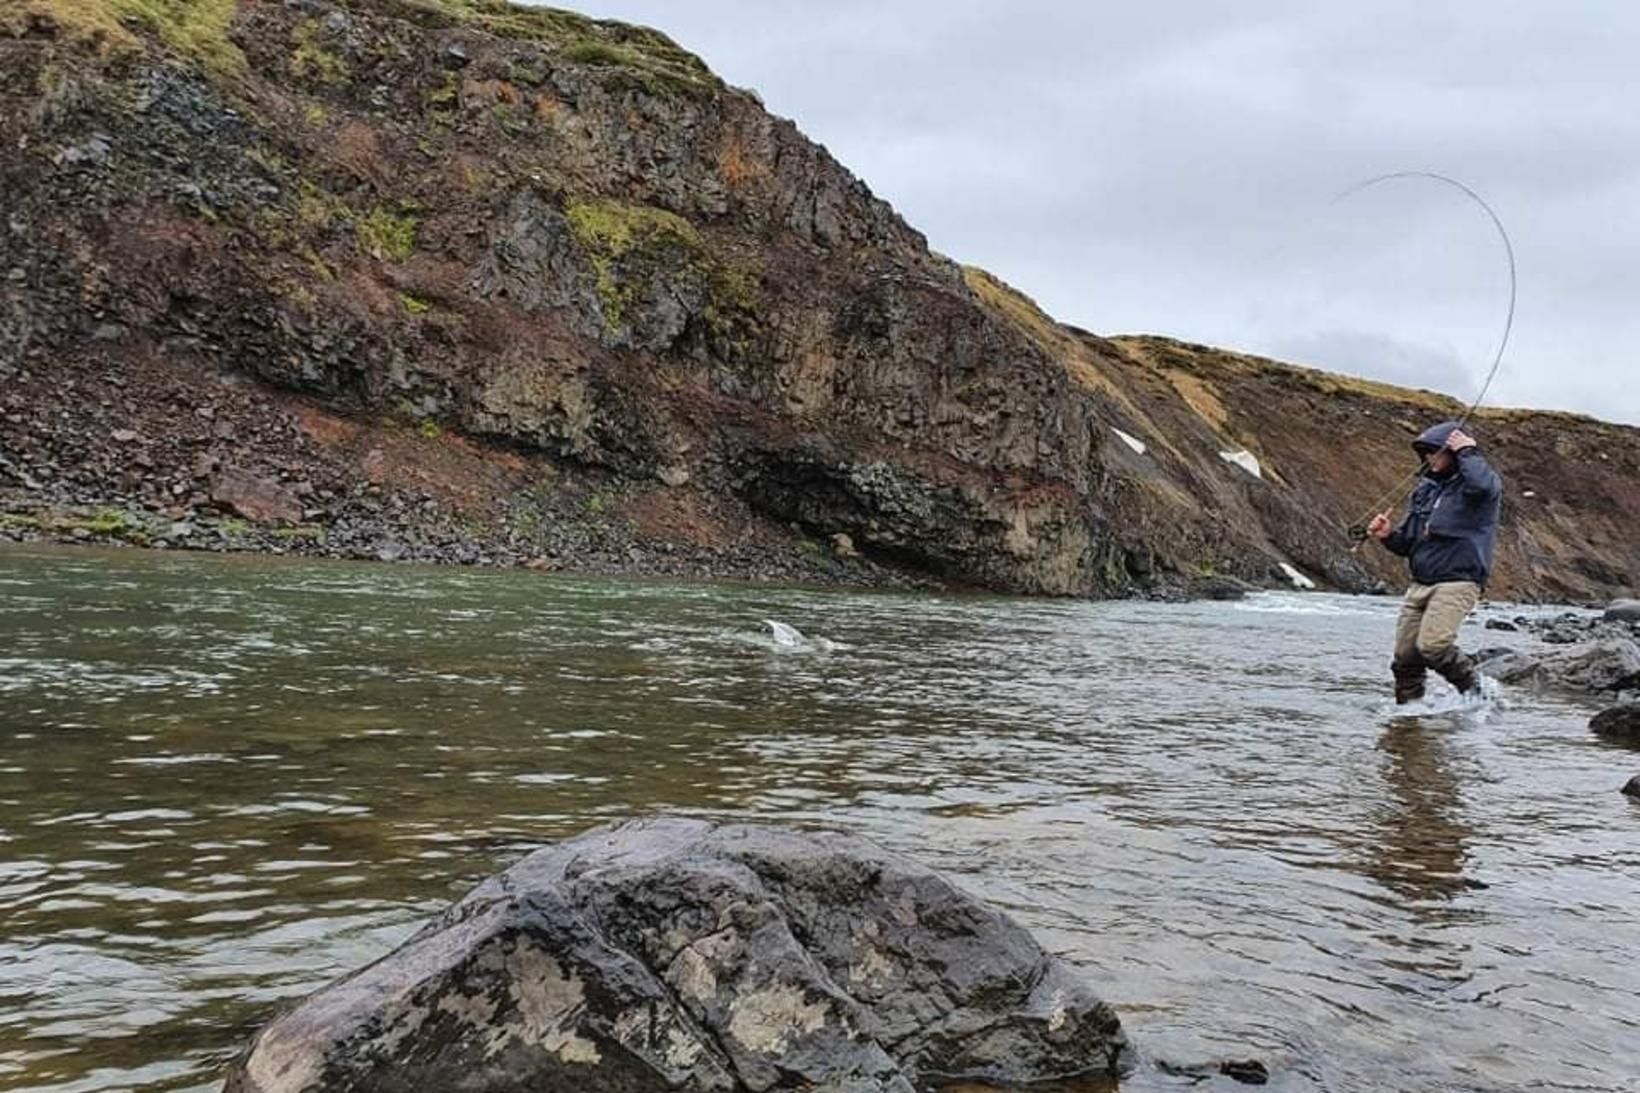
[(1457, 669), (1409, 681)]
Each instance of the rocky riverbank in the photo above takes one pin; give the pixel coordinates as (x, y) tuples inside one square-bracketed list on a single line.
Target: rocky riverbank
[(166, 458), (1597, 656)]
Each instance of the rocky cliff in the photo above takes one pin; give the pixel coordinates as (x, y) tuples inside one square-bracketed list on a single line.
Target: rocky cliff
[(455, 280)]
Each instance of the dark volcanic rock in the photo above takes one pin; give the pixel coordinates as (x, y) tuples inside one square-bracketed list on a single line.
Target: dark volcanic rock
[(1219, 588), (679, 955), (1607, 665), (1620, 723), (1245, 1071), (1570, 628), (1632, 787)]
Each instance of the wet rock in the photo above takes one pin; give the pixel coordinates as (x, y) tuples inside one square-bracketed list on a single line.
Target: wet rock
[(253, 497), (1632, 787), (675, 954), (1570, 628), (1607, 665), (1245, 1071), (1622, 611), (1620, 723), (1501, 624), (1219, 588)]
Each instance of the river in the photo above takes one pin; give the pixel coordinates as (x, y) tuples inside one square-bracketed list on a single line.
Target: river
[(226, 780)]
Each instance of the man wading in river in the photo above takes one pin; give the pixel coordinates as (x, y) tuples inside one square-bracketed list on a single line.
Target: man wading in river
[(1446, 537)]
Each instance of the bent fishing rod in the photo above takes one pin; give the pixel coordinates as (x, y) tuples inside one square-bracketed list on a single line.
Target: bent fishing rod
[(1357, 530)]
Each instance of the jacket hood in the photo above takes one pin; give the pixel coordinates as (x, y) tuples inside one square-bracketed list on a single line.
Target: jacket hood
[(1435, 436)]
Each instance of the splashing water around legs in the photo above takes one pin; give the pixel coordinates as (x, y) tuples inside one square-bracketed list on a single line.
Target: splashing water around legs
[(1475, 706)]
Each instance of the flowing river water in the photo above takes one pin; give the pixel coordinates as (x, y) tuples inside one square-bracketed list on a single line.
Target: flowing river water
[(225, 781)]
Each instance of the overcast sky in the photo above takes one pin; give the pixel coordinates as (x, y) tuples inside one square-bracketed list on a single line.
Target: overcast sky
[(1173, 168)]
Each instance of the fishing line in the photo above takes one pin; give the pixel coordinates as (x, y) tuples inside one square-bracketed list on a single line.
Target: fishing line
[(1357, 531)]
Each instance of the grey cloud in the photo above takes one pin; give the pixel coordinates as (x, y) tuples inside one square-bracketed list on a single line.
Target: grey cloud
[(1170, 167)]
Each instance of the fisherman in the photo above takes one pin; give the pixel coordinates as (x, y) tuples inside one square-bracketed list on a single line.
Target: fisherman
[(1447, 538)]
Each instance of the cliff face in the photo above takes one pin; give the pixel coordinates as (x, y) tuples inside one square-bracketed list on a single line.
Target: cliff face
[(449, 275)]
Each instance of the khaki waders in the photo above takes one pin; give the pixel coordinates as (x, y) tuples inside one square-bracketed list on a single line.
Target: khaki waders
[(1426, 636)]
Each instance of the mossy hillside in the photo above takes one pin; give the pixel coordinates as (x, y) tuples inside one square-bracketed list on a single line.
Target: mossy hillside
[(650, 57), (197, 29)]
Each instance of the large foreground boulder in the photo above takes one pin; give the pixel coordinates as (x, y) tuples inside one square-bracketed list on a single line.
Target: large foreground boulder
[(678, 955)]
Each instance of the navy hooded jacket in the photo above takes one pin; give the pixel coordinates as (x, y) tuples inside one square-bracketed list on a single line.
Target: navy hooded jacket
[(1452, 523)]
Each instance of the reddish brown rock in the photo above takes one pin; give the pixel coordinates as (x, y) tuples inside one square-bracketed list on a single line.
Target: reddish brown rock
[(255, 498)]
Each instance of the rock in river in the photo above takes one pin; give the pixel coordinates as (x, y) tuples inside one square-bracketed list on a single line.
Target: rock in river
[(1620, 723), (681, 955), (1623, 611), (1610, 664)]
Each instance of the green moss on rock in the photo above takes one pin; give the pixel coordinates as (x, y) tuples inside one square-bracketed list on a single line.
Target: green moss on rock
[(310, 60), (388, 235), (621, 241), (197, 29), (657, 62)]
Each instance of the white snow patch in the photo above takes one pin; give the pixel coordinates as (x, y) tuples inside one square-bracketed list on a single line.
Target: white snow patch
[(1528, 493), (1244, 459), (1131, 441), (1298, 579)]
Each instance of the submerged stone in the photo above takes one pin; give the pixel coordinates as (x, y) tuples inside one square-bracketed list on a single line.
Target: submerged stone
[(682, 955)]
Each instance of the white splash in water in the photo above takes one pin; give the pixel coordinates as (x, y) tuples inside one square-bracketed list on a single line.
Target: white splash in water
[(1474, 707), (789, 639)]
